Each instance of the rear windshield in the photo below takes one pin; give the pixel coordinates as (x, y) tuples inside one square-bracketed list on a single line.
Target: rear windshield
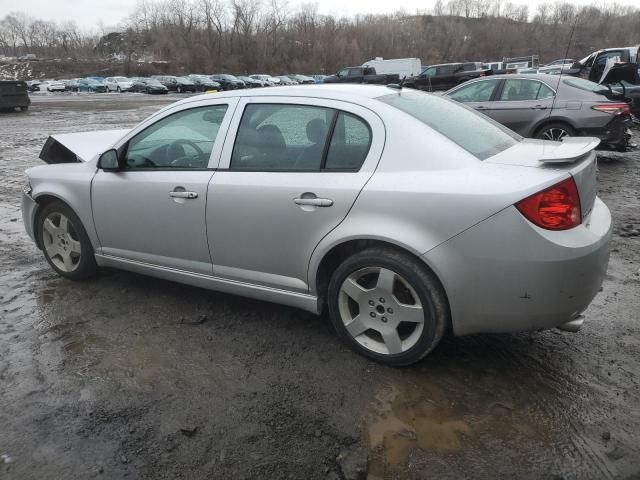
[(477, 134)]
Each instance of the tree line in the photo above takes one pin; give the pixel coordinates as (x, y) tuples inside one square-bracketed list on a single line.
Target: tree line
[(247, 36)]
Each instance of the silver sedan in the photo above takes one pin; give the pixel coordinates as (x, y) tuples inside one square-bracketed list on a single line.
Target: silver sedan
[(403, 214)]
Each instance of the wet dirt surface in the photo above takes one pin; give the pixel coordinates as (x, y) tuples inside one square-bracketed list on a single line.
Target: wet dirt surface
[(129, 376)]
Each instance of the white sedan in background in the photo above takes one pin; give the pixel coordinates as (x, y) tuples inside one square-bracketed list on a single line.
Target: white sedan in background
[(52, 86), (118, 84)]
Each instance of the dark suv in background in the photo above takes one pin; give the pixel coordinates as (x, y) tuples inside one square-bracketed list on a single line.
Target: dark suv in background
[(446, 76)]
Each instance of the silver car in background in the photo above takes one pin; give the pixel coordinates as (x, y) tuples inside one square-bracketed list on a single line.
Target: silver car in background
[(549, 107), (403, 214)]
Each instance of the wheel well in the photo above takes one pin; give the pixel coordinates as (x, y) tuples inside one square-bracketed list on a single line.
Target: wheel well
[(334, 257), (43, 201)]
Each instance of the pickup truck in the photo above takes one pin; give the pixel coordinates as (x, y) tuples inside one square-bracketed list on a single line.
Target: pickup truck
[(361, 75), (446, 76), (13, 94)]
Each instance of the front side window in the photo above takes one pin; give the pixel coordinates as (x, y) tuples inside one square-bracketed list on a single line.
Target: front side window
[(475, 92), (182, 140), (343, 73), (480, 136), (430, 72)]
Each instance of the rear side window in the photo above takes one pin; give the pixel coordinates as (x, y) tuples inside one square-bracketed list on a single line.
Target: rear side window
[(349, 144), (480, 136), (281, 137)]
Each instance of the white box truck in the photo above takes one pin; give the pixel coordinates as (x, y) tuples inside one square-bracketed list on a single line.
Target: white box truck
[(402, 67)]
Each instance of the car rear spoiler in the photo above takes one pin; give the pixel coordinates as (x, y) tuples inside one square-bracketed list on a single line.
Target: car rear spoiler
[(569, 150), (79, 147)]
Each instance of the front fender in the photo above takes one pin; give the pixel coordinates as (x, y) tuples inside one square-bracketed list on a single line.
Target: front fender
[(69, 183)]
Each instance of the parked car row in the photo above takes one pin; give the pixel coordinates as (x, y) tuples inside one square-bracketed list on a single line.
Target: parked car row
[(170, 83)]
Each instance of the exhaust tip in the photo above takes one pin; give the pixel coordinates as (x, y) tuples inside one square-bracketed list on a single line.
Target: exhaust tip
[(573, 325)]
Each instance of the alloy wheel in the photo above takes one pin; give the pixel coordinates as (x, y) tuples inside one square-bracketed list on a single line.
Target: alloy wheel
[(61, 242), (556, 134), (381, 310)]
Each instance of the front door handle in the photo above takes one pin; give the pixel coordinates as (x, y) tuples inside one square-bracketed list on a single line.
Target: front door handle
[(314, 202), (480, 107), (179, 194), (539, 107)]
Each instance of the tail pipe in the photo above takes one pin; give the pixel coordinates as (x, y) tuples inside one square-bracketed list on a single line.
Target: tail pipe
[(573, 325)]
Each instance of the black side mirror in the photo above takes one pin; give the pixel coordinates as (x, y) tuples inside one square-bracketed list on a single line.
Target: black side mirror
[(109, 161)]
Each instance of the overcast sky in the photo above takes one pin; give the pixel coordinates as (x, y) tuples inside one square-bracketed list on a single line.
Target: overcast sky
[(89, 14)]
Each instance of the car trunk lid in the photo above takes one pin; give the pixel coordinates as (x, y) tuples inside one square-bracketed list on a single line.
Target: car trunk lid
[(79, 147), (574, 155)]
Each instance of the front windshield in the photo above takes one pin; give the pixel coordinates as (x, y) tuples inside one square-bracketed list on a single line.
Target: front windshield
[(121, 79), (93, 82), (479, 135), (152, 81)]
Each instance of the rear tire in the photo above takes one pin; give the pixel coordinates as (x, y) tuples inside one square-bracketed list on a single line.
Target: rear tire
[(64, 242), (555, 131), (401, 311)]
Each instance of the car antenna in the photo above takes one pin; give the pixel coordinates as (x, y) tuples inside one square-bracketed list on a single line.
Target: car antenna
[(566, 54), (397, 86)]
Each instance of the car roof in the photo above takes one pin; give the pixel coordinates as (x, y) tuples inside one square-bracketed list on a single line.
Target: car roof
[(543, 77), (328, 91)]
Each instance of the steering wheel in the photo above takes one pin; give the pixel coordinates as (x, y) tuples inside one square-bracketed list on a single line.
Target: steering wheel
[(176, 147)]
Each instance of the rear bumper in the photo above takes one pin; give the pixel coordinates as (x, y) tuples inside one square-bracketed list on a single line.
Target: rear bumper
[(614, 133), (507, 275)]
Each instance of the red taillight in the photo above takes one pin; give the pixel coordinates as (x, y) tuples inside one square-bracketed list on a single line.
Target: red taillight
[(555, 208), (613, 108)]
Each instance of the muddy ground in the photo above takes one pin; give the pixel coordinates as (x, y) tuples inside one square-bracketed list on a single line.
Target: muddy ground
[(129, 376)]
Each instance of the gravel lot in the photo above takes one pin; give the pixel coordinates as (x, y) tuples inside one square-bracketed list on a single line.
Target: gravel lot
[(129, 376)]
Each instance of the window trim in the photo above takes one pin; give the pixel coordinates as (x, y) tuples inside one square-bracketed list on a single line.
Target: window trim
[(326, 148), (125, 145), (216, 152)]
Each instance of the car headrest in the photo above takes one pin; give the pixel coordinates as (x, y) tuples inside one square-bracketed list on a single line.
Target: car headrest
[(317, 130)]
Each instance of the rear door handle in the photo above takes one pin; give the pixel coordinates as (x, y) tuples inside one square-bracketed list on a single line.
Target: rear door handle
[(189, 195), (480, 107), (315, 202)]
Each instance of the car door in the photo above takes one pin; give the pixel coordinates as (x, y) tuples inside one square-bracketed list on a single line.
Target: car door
[(521, 104), (152, 209), (476, 94), (425, 80), (289, 174), (445, 76)]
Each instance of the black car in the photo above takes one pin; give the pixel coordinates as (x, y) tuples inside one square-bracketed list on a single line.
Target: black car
[(13, 94), (251, 82), (204, 83), (446, 76), (228, 82), (176, 84), (148, 85)]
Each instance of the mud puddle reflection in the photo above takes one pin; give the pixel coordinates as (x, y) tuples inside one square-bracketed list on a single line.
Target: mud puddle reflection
[(414, 414)]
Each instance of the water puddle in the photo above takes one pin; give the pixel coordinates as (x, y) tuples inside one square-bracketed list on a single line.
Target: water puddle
[(417, 416)]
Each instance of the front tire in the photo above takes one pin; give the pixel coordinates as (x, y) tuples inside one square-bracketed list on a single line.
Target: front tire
[(65, 243), (388, 306)]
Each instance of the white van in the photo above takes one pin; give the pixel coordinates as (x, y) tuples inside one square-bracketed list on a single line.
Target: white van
[(408, 67)]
